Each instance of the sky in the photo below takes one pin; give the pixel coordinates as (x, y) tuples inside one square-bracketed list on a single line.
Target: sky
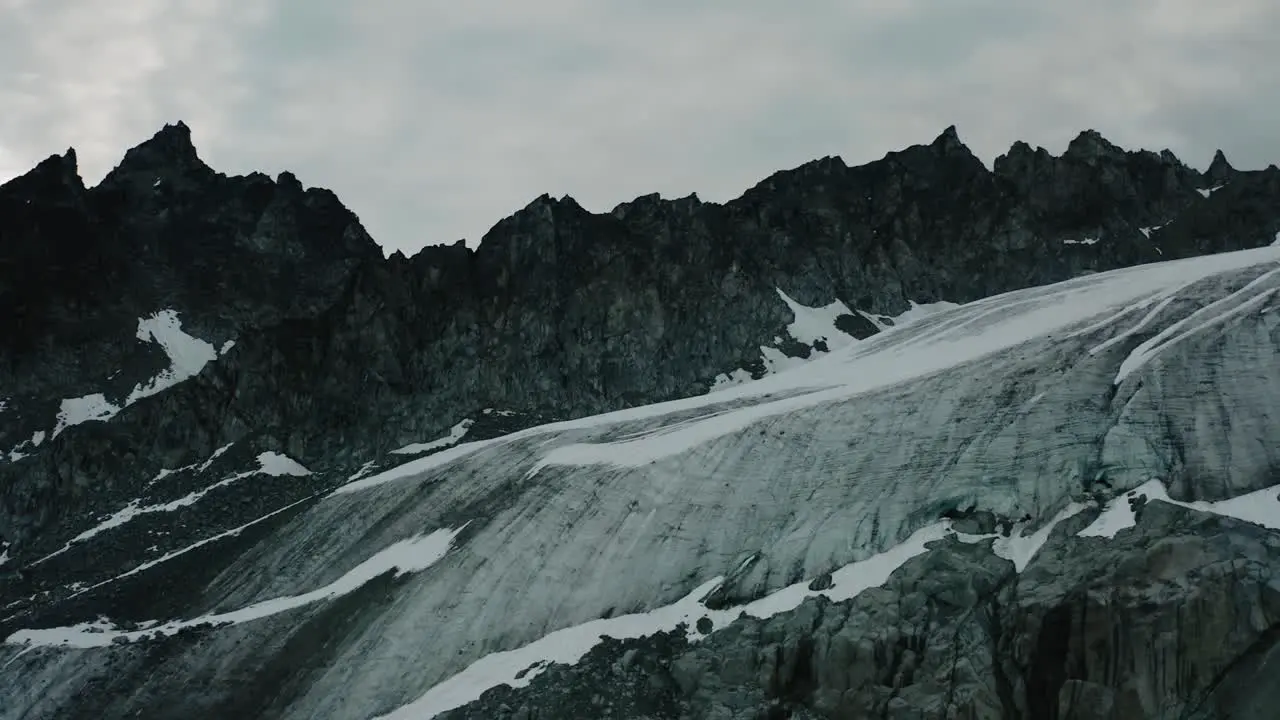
[(433, 120)]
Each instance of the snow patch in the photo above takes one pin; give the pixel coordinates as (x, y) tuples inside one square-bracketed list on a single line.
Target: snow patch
[(19, 452), (1020, 549), (1146, 231), (456, 433), (216, 454), (165, 472), (430, 462), (1206, 192), (730, 379), (187, 354), (194, 546), (269, 463), (407, 556), (90, 408), (809, 326), (1260, 507), (567, 646), (812, 325), (1085, 241), (364, 470), (277, 465), (917, 311), (4, 553), (226, 347), (960, 335)]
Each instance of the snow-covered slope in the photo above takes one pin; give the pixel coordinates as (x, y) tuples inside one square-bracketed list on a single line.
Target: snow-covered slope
[(409, 592)]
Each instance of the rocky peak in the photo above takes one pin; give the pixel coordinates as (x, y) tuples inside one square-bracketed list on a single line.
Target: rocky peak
[(1220, 171), (542, 216), (946, 160), (645, 205), (1022, 161), (55, 176), (949, 142), (289, 182), (1096, 184), (169, 156), (1091, 148)]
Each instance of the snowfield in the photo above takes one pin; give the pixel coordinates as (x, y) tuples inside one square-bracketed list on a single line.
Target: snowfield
[(1039, 406)]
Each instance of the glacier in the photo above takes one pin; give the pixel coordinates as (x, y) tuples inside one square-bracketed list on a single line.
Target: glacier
[(1047, 408)]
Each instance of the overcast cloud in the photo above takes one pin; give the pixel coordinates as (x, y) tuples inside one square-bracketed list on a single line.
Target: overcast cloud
[(433, 120)]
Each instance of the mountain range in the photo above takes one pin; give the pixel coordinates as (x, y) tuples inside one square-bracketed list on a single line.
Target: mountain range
[(914, 439)]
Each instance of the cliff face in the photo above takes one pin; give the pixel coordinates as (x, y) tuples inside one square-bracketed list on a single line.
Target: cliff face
[(192, 362)]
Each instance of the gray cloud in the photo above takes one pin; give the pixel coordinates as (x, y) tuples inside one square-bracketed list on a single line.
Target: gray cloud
[(432, 120)]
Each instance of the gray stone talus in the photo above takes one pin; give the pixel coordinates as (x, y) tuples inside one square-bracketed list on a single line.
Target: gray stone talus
[(1014, 406)]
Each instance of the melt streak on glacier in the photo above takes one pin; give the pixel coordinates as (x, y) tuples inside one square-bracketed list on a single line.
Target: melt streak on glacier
[(407, 556), (1015, 404)]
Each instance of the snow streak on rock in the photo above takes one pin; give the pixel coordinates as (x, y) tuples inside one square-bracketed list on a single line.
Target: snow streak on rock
[(407, 556), (519, 667), (269, 463), (1261, 507), (187, 357), (187, 354), (456, 433)]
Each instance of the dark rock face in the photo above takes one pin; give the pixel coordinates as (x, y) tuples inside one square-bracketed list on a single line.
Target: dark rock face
[(1177, 618), (341, 355)]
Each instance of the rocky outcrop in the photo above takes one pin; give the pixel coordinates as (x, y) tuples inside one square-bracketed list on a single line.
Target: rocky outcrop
[(1156, 623)]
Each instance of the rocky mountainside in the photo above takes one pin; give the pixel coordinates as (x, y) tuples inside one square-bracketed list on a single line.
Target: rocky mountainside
[(213, 390)]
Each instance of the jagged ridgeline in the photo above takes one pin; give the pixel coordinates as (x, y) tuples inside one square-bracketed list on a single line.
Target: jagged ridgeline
[(959, 442)]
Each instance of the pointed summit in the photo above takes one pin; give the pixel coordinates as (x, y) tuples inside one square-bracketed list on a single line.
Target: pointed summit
[(55, 174), (168, 155), (1220, 171), (949, 140), (948, 145), (1090, 147)]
